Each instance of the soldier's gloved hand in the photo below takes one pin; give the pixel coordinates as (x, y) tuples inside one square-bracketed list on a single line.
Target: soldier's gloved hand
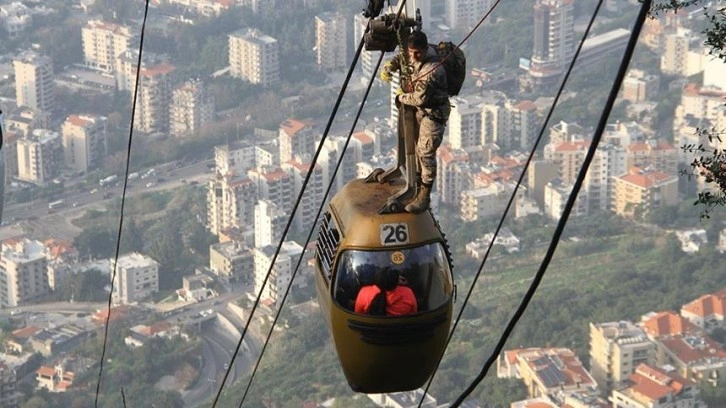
[(386, 72), (399, 92)]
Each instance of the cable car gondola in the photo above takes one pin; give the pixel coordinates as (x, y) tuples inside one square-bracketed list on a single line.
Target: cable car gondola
[(383, 353)]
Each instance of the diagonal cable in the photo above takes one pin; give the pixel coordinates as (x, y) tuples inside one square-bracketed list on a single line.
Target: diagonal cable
[(570, 201), (123, 202)]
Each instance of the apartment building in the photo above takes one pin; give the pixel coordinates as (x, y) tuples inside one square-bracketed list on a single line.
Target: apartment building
[(274, 184), (331, 42), (554, 39), (368, 59), (651, 387), (103, 42), (454, 169), (232, 260), (15, 18), (230, 203), (192, 107), (298, 170), (270, 222), (641, 191), (239, 156), (23, 272), (485, 201), (295, 137), (280, 273), (639, 86), (465, 13), (616, 349), (708, 311), (522, 125), (84, 142), (466, 121), (656, 154), (154, 98), (137, 277), (254, 57), (556, 195), (34, 86), (40, 156)]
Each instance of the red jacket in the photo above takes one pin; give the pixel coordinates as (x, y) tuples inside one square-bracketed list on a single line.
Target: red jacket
[(399, 301)]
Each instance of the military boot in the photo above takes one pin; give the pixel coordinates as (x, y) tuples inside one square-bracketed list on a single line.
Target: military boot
[(421, 202)]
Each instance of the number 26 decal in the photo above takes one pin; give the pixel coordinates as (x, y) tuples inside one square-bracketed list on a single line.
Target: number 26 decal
[(394, 234)]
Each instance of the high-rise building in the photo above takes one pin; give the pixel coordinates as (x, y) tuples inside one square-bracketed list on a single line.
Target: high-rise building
[(40, 156), (254, 56), (280, 274), (465, 13), (34, 85), (23, 272), (368, 59), (331, 41), (240, 156), (522, 125), (296, 138), (554, 39), (270, 221), (84, 142), (153, 99), (640, 191), (616, 349), (191, 108), (103, 42), (465, 122), (137, 277), (274, 184), (230, 203), (298, 170)]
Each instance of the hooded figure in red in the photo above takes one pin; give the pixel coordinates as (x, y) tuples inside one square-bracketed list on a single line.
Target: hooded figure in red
[(386, 297)]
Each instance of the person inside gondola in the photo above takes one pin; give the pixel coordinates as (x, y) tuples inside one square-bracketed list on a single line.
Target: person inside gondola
[(386, 297)]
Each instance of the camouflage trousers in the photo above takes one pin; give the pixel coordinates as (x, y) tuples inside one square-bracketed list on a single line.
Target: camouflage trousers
[(430, 134)]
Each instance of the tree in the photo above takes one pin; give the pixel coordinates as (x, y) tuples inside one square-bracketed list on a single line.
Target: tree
[(708, 162)]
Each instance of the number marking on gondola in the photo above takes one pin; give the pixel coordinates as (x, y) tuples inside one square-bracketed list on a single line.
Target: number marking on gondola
[(394, 234)]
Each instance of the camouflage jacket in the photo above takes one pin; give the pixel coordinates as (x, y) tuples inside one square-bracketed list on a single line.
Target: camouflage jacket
[(430, 91)]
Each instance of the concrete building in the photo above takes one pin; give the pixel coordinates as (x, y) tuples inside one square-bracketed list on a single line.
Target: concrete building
[(656, 154), (675, 52), (230, 203), (153, 99), (9, 394), (137, 277), (554, 40), (465, 13), (34, 85), (192, 107), (466, 121), (270, 222), (522, 125), (639, 86), (708, 311), (40, 156), (84, 142), (15, 18), (331, 42), (616, 348), (240, 156), (103, 42), (556, 194), (296, 138), (368, 59), (454, 170), (232, 260), (640, 191), (23, 272), (274, 184), (254, 57), (650, 387), (484, 202), (280, 274), (314, 191)]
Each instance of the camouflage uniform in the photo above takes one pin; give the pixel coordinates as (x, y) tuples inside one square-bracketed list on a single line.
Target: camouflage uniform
[(431, 99)]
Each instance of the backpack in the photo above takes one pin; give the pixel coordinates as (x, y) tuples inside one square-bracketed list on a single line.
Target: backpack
[(454, 65)]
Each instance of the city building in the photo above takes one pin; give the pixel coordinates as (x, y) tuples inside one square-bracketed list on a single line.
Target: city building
[(314, 190), (84, 142), (232, 260), (230, 203), (465, 121), (34, 85), (238, 157), (270, 222), (9, 394), (296, 138), (103, 42), (641, 191), (368, 59), (556, 195), (454, 169), (137, 277), (192, 107), (274, 184), (54, 378), (280, 275), (650, 387), (485, 201), (254, 57), (616, 348), (554, 40), (639, 86), (331, 42), (23, 272), (15, 18), (656, 154), (465, 13), (40, 156), (154, 98), (522, 125), (708, 311), (674, 54)]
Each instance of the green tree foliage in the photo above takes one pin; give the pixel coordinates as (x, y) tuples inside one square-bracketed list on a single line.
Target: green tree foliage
[(85, 286), (96, 241)]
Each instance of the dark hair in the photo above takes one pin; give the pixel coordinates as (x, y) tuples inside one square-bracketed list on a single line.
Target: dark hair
[(386, 279), (418, 40)]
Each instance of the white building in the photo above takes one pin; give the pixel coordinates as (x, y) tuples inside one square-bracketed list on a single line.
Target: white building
[(331, 42), (23, 272), (103, 42), (254, 56), (280, 275), (84, 142), (40, 156), (270, 221), (137, 277), (34, 85)]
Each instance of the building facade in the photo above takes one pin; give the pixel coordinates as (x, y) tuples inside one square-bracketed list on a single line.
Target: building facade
[(331, 42), (103, 42), (23, 272), (40, 156), (34, 85), (137, 277), (84, 142), (191, 108), (253, 56)]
